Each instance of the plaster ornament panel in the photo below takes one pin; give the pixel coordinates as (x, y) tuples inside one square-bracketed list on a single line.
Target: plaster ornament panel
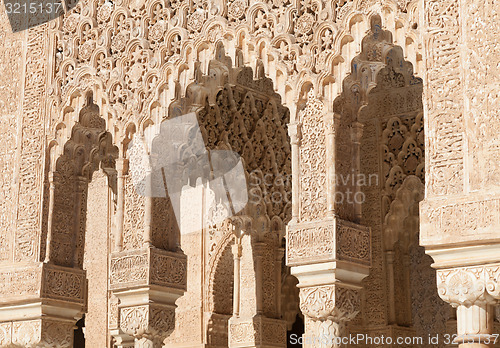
[(26, 282), (313, 161), (10, 96), (64, 284), (133, 226), (481, 59), (468, 219), (29, 195), (331, 240), (181, 25), (150, 266), (445, 149), (128, 268)]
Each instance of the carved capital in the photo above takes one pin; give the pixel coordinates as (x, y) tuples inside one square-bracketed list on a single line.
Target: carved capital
[(332, 120), (43, 333), (356, 132), (148, 324), (467, 286), (330, 302)]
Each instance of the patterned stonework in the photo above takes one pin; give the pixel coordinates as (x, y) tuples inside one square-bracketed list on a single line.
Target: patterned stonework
[(347, 114)]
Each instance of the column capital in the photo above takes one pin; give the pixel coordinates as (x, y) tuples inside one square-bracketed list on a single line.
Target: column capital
[(332, 120), (333, 302), (466, 286)]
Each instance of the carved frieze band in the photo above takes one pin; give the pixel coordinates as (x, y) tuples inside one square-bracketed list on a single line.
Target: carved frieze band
[(441, 221), (62, 283), (24, 282), (43, 280), (353, 242), (151, 266), (469, 285), (333, 240)]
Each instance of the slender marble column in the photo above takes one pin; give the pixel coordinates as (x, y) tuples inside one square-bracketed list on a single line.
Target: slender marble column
[(295, 136)]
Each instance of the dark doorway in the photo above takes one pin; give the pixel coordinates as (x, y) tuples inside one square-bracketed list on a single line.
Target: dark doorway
[(294, 336), (79, 338)]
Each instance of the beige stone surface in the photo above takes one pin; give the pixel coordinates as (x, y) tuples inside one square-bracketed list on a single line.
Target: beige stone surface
[(369, 136)]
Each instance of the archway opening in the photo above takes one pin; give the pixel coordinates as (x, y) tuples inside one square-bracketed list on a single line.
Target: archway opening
[(82, 187), (380, 165), (237, 113)]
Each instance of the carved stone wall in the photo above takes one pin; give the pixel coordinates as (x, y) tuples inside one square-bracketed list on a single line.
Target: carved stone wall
[(250, 69), (11, 50)]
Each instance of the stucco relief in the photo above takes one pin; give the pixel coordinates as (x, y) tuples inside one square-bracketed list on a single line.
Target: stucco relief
[(276, 63)]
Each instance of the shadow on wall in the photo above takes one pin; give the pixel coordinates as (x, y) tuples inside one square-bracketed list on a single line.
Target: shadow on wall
[(25, 14)]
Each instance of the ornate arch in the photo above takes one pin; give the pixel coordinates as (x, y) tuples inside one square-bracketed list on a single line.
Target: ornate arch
[(297, 44), (379, 127), (89, 147)]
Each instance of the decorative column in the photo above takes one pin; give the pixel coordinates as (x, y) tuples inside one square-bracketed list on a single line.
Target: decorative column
[(329, 256), (146, 282), (236, 248), (50, 215), (460, 216), (255, 323), (331, 122), (121, 167), (474, 292), (295, 136), (356, 134), (330, 260)]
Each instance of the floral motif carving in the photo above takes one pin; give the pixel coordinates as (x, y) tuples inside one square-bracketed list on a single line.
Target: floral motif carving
[(330, 302), (467, 286), (64, 284)]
